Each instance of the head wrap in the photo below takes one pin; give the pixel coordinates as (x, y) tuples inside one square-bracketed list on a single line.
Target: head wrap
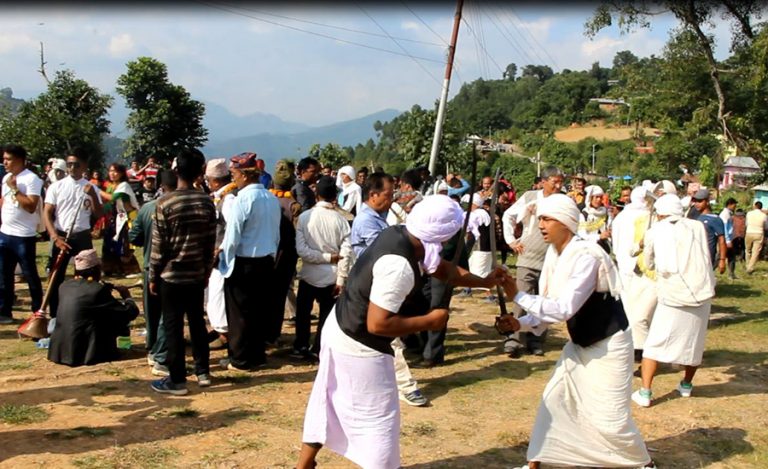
[(348, 170), (216, 168), (637, 198), (244, 161), (562, 208), (87, 259), (442, 186), (433, 221), (592, 191), (669, 204), (284, 176), (667, 186), (477, 199), (59, 164)]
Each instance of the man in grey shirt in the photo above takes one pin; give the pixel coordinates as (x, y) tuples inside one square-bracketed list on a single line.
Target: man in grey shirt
[(530, 249)]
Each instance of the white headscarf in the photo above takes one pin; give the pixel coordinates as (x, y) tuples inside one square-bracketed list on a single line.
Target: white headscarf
[(433, 221), (667, 186), (637, 198), (349, 171), (669, 205), (560, 207)]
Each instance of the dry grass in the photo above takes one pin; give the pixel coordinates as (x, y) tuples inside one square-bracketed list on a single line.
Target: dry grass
[(599, 132)]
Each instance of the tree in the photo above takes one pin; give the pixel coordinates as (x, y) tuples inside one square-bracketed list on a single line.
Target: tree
[(69, 114), (540, 72), (624, 58), (163, 118), (329, 155), (510, 72)]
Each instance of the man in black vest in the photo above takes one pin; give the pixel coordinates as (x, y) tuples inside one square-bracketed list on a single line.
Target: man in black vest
[(354, 408), (585, 417)]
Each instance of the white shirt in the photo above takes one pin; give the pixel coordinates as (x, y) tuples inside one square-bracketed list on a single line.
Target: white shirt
[(320, 232), (477, 218), (623, 238), (65, 194), (354, 196), (520, 211), (392, 282), (756, 221), (396, 215), (543, 311), (16, 220)]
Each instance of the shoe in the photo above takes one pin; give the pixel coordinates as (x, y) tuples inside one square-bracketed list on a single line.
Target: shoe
[(684, 389), (204, 380), (414, 398), (638, 372), (427, 363), (133, 276), (227, 365), (166, 386), (465, 293), (291, 319), (303, 354), (491, 299), (160, 370), (641, 398), (6, 320), (536, 351), (150, 359)]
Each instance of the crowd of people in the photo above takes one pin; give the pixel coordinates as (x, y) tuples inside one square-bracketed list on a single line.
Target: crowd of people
[(230, 250)]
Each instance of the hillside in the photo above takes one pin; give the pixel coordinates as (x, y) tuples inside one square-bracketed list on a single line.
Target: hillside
[(576, 133)]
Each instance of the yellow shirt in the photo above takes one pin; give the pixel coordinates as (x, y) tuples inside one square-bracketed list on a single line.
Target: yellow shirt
[(641, 226)]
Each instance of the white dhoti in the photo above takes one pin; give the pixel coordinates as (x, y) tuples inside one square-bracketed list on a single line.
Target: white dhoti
[(354, 409), (215, 305), (639, 300), (480, 263), (678, 333), (585, 417)]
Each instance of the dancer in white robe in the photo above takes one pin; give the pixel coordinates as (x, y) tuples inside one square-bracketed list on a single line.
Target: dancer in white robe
[(584, 418), (677, 248), (353, 408)]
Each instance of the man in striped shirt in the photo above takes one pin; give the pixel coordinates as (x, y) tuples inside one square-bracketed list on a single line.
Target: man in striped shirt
[(183, 238)]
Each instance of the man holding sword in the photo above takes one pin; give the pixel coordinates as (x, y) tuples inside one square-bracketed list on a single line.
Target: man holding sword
[(70, 202)]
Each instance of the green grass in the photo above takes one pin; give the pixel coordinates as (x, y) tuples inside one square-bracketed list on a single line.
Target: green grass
[(21, 414), (142, 456)]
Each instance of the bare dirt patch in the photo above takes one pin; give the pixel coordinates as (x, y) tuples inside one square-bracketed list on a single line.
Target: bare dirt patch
[(482, 410)]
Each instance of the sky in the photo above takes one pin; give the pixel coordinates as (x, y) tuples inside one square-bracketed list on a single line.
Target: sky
[(259, 57)]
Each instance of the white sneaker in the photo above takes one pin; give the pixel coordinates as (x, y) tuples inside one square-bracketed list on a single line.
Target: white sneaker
[(160, 370), (642, 401), (685, 391)]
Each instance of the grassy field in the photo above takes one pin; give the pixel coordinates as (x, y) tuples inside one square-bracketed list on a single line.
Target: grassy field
[(483, 403), (599, 132)]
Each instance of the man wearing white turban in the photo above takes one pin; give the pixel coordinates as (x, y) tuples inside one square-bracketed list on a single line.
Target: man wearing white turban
[(677, 248), (354, 408), (351, 193), (584, 418)]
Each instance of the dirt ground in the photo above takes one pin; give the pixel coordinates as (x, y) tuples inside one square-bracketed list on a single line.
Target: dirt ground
[(599, 132), (483, 403)]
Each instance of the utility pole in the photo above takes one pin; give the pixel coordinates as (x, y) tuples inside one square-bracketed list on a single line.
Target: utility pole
[(444, 96)]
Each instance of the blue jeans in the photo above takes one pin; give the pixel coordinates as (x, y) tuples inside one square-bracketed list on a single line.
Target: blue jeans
[(18, 250)]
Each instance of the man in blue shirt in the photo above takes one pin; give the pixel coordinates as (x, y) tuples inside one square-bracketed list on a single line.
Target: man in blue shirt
[(715, 228), (372, 218)]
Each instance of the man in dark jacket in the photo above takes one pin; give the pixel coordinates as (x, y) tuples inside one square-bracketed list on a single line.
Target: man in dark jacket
[(307, 171), (89, 318)]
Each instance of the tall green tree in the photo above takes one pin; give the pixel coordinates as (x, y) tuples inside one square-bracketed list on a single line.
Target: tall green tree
[(70, 113), (332, 154), (163, 118)]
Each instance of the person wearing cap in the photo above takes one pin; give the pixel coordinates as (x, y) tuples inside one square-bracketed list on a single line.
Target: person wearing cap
[(21, 190), (90, 319), (223, 192), (183, 240), (585, 417), (676, 247), (140, 235), (322, 241), (715, 229), (247, 263), (353, 408), (287, 257)]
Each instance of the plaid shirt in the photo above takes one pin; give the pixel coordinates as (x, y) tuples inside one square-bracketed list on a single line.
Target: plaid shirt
[(183, 237)]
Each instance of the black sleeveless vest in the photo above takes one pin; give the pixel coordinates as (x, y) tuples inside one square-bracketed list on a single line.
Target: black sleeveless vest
[(352, 306), (484, 243), (600, 317)]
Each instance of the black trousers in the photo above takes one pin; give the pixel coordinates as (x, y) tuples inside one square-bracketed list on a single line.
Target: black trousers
[(245, 292), (528, 282), (305, 298), (79, 241), (176, 300), (283, 274), (18, 250)]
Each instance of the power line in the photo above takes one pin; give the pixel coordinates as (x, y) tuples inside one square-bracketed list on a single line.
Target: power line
[(325, 25), (510, 40), (481, 46), (546, 52), (539, 60), (400, 45), (425, 24), (314, 33)]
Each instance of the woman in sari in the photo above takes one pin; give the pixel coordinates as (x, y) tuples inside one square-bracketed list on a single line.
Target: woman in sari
[(121, 206)]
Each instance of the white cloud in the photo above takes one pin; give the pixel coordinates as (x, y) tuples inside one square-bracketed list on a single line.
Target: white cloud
[(10, 42), (121, 45), (599, 47), (410, 26)]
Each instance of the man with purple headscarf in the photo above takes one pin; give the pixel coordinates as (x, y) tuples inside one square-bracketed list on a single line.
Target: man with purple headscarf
[(353, 408)]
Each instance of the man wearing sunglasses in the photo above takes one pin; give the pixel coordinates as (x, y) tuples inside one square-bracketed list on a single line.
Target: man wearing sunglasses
[(61, 208)]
